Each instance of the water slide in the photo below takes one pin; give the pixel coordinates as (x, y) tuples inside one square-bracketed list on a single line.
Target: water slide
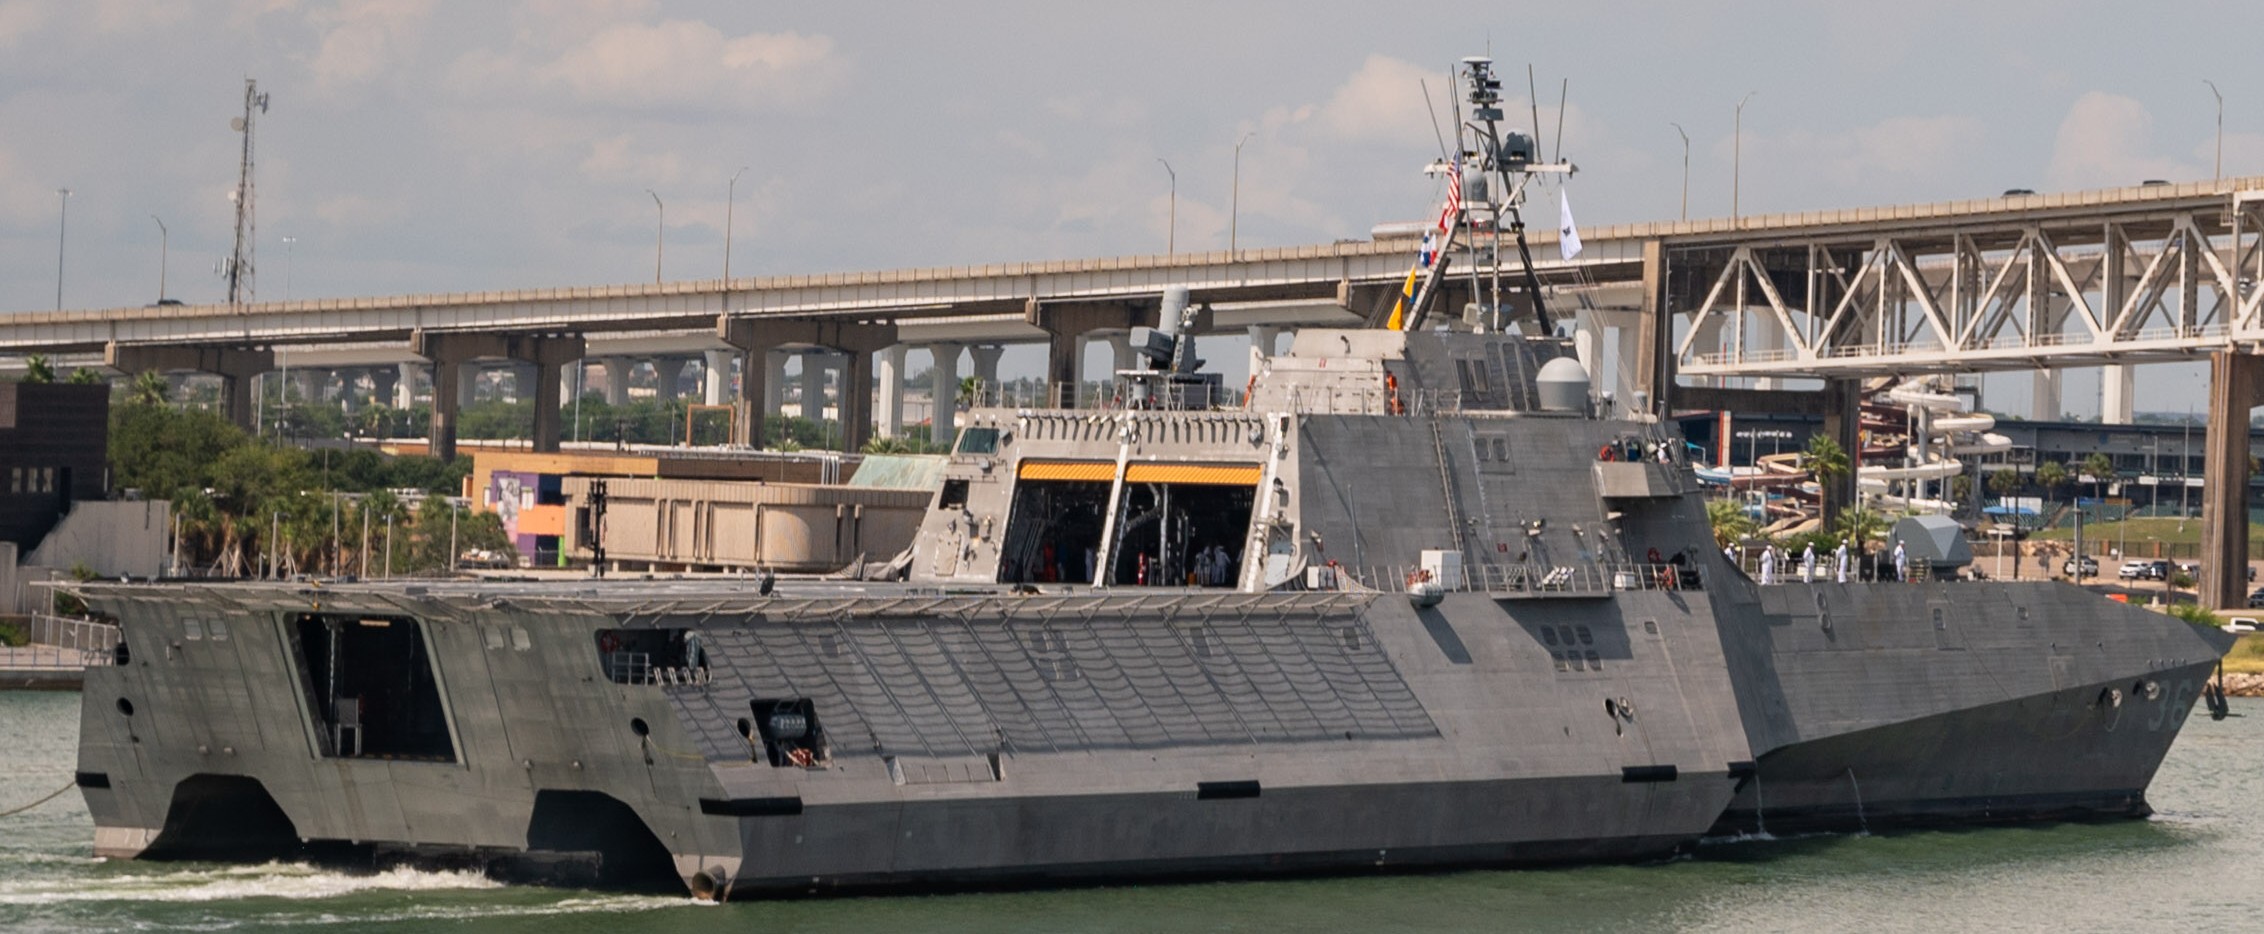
[(1931, 455)]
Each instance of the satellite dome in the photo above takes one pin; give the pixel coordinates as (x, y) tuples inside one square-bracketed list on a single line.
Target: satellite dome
[(1563, 386)]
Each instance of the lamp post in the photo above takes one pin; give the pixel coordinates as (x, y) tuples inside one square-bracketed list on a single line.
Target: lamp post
[(1685, 169), (287, 241), (660, 231), (164, 246), (62, 226), (730, 201), (1737, 156), (1171, 237), (2218, 171), (1234, 211)]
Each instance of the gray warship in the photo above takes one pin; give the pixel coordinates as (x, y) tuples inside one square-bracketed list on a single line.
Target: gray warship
[(1414, 599)]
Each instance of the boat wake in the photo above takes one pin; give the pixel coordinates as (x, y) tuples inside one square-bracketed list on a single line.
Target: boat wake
[(225, 883)]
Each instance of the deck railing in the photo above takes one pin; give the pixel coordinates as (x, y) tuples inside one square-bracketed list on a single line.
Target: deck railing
[(61, 643)]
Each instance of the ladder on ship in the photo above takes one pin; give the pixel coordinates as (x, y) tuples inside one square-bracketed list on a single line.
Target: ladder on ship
[(1446, 484)]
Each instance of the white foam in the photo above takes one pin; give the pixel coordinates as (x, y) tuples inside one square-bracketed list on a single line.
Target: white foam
[(227, 883)]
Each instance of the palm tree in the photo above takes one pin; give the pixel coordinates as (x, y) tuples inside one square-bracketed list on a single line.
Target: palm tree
[(1827, 462), (2051, 475), (1730, 522), (39, 369), (149, 388), (1860, 526), (2100, 469), (85, 376)]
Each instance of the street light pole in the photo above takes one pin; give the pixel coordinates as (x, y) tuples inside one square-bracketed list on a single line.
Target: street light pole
[(2218, 171), (287, 241), (164, 247), (1171, 238), (1685, 169), (730, 201), (1234, 211), (660, 231), (62, 226), (1737, 157)]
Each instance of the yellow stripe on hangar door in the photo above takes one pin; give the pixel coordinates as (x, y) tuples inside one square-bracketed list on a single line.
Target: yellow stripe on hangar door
[(1102, 471), (1207, 474)]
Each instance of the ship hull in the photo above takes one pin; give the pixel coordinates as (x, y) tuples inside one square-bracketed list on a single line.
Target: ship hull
[(2074, 754)]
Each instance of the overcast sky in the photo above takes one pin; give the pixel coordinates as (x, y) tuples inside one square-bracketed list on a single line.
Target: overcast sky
[(413, 146)]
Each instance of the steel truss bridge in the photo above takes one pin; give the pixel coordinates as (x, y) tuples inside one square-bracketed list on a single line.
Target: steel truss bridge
[(2032, 282)]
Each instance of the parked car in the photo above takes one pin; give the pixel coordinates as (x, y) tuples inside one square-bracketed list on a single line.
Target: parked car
[(2241, 623), (2134, 570), (2090, 566), (2256, 600), (2193, 570)]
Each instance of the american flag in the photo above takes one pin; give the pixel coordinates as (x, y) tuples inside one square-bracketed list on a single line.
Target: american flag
[(1453, 208)]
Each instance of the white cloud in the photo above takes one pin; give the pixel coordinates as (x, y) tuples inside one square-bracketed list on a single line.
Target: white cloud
[(363, 38), (1381, 102), (674, 64), (618, 159), (136, 15), (2104, 141), (18, 19), (1897, 146)]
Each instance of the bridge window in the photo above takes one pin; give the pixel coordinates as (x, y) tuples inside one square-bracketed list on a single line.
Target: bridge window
[(978, 441)]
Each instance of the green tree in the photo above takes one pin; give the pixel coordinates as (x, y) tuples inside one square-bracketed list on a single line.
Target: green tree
[(39, 369), (1729, 520), (85, 376), (149, 388), (2101, 469), (2004, 482), (1860, 525), (1825, 459), (2050, 476)]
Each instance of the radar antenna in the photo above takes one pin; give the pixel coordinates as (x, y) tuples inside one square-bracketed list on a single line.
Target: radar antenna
[(238, 266)]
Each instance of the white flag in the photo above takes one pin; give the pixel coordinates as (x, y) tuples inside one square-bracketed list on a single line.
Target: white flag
[(1568, 236)]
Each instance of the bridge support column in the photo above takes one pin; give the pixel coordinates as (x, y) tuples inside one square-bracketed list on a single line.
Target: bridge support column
[(1843, 423), (2044, 400), (758, 365), (1654, 363), (2115, 386), (405, 391), (985, 357), (715, 376), (236, 367), (943, 393), (1263, 338), (384, 385), (814, 365), (2236, 382), (544, 354), (617, 379), (668, 378), (889, 420), (465, 384), (1064, 323), (854, 399)]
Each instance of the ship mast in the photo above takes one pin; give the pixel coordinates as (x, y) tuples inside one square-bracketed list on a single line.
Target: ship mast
[(1496, 165), (238, 266)]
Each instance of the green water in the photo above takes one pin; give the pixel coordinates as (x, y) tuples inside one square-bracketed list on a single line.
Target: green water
[(2199, 864)]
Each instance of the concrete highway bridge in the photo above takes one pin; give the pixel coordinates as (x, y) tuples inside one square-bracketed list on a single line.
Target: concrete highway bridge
[(1700, 314)]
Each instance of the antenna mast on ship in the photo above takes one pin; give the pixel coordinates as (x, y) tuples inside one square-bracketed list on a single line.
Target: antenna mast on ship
[(238, 266), (1486, 161)]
